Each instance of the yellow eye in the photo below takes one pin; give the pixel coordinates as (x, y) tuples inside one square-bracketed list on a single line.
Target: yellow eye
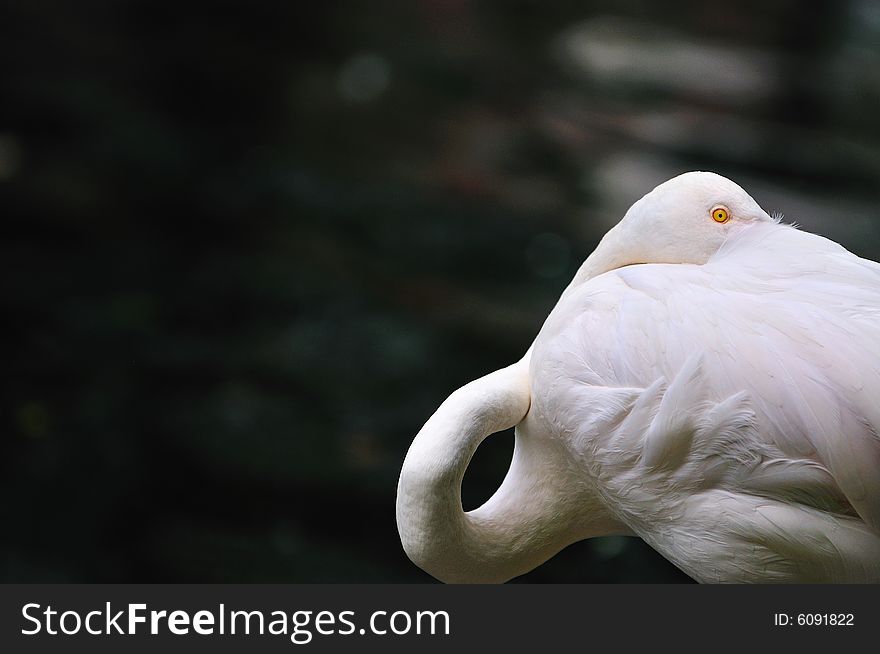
[(720, 215)]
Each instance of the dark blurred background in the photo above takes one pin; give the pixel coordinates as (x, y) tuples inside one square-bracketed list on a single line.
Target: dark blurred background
[(249, 247)]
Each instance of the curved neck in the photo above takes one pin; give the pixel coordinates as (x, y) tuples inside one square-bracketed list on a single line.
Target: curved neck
[(520, 527)]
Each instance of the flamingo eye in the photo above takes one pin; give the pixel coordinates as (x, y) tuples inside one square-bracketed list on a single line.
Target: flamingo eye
[(720, 215)]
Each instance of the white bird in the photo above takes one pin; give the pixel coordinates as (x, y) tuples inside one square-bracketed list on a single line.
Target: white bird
[(709, 382)]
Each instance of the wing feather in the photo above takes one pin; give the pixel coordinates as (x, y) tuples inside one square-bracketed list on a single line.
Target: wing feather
[(788, 318)]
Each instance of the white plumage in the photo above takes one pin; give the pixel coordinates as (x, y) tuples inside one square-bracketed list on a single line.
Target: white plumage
[(710, 386)]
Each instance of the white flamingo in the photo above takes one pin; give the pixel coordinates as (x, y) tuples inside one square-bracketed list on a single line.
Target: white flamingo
[(709, 381)]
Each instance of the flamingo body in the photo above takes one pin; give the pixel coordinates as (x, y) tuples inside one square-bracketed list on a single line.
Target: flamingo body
[(709, 382)]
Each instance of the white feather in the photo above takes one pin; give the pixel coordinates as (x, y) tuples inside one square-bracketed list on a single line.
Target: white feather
[(711, 387)]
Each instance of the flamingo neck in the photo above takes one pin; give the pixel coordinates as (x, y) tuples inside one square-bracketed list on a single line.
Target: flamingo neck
[(520, 527)]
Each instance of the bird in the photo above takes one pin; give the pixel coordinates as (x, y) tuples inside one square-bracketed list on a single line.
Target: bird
[(709, 382)]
